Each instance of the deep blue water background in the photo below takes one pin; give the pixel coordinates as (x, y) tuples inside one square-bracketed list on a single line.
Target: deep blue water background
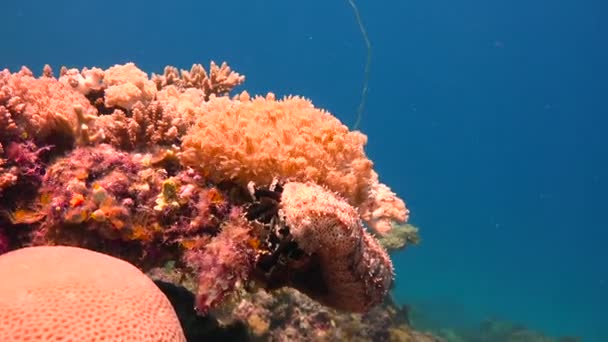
[(488, 117)]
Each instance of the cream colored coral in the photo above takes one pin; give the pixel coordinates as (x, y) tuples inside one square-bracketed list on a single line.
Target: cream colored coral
[(220, 80), (126, 85), (187, 102), (83, 81), (73, 294), (258, 139)]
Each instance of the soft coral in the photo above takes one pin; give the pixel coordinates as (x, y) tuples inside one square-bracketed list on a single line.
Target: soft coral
[(225, 263)]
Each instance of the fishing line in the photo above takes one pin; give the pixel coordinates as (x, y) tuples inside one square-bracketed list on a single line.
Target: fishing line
[(368, 63)]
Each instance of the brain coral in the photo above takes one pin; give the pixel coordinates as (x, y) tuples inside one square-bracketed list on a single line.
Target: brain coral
[(258, 139), (74, 294)]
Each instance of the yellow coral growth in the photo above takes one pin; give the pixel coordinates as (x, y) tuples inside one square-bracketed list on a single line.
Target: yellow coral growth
[(258, 139)]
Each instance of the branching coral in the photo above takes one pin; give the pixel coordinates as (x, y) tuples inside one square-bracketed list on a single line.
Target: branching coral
[(262, 138), (152, 124), (143, 112), (220, 80)]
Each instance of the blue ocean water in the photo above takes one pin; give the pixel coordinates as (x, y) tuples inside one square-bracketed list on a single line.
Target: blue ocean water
[(488, 117)]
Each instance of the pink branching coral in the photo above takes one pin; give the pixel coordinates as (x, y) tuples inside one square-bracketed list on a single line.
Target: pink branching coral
[(155, 123), (145, 111), (259, 139), (43, 109), (220, 80)]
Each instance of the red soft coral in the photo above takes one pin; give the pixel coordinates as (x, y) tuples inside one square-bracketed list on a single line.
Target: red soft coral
[(225, 263)]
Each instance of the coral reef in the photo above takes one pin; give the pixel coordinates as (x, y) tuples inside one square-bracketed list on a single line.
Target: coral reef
[(500, 331), (74, 294), (237, 194), (285, 315)]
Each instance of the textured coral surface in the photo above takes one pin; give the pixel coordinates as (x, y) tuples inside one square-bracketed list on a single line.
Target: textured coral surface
[(73, 294), (356, 271)]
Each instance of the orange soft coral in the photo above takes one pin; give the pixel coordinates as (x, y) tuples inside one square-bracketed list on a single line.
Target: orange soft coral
[(259, 139)]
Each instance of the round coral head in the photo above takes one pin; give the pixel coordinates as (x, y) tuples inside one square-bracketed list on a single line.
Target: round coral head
[(73, 294)]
